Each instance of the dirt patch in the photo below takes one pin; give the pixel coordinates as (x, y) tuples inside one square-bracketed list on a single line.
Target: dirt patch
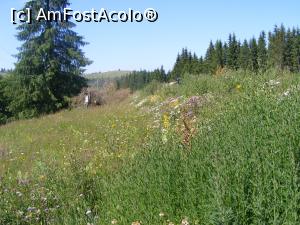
[(106, 95)]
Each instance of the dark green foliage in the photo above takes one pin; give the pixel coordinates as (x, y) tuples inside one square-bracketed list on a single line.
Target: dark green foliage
[(253, 55), (262, 52), (233, 52), (210, 58), (3, 103), (219, 54), (295, 51), (277, 47), (49, 63), (244, 56), (139, 79)]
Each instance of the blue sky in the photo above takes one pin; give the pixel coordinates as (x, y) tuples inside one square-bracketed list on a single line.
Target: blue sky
[(189, 23)]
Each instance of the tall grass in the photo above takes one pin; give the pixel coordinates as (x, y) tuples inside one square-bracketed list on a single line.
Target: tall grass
[(241, 167)]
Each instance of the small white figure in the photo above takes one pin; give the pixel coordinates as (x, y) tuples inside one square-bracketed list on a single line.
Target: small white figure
[(86, 99)]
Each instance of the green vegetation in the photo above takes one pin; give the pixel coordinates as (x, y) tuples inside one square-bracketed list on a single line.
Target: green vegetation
[(99, 80), (220, 146), (227, 155), (49, 65), (106, 75)]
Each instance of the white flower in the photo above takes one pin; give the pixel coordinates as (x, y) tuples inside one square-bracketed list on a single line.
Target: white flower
[(88, 212), (161, 214), (114, 221), (286, 93), (185, 222)]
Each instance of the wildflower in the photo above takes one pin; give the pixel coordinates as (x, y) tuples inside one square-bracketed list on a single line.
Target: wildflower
[(88, 212), (164, 136), (31, 209), (154, 98), (286, 93), (136, 223), (20, 213), (166, 121), (161, 214), (174, 103), (238, 87), (273, 82), (185, 222), (114, 221)]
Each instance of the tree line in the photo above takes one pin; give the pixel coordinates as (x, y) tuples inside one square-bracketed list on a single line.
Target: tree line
[(279, 49)]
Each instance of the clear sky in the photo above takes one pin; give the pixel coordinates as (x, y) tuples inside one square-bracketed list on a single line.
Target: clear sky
[(189, 23)]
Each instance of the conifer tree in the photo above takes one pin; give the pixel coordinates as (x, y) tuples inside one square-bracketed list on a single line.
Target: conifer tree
[(225, 53), (295, 52), (253, 55), (219, 54), (3, 102), (277, 47), (49, 63), (233, 52), (290, 51), (244, 56), (262, 56), (210, 58)]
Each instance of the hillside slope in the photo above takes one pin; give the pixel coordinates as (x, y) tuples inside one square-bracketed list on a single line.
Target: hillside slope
[(108, 74), (212, 150)]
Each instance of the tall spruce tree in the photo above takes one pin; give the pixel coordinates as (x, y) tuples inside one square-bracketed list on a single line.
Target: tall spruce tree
[(277, 47), (3, 102), (219, 54), (295, 52), (233, 52), (225, 53), (244, 56), (210, 58), (262, 56), (49, 64), (253, 55)]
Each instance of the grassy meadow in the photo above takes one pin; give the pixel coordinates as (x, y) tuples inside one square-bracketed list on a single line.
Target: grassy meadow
[(213, 150)]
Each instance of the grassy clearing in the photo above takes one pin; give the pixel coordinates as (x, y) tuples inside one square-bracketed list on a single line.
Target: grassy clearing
[(234, 161)]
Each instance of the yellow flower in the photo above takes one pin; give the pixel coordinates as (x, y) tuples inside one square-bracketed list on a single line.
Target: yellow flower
[(238, 87), (166, 121), (174, 103), (154, 98)]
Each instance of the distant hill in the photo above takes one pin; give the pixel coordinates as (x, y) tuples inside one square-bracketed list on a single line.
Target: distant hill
[(109, 74)]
